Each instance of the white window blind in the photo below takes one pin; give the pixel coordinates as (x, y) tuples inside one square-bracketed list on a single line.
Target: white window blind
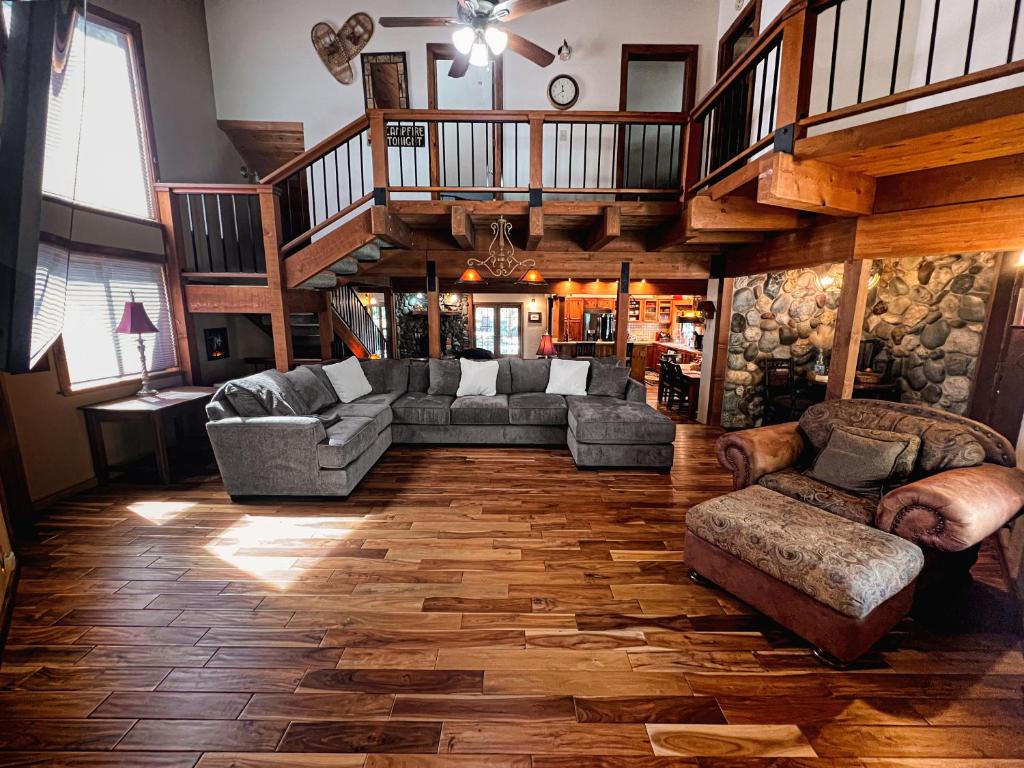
[(48, 301), (96, 145), (98, 287)]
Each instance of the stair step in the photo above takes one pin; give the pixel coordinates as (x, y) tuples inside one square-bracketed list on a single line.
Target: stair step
[(368, 253), (326, 280), (346, 266)]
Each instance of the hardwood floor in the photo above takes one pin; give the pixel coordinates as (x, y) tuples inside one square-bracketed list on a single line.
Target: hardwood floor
[(465, 607)]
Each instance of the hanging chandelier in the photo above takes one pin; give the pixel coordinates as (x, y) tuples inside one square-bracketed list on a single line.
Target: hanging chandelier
[(501, 261)]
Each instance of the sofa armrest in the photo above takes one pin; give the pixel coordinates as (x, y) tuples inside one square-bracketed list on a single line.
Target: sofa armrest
[(750, 454), (953, 510), (636, 391)]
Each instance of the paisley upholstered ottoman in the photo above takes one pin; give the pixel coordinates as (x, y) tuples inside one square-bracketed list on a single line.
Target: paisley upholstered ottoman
[(837, 583)]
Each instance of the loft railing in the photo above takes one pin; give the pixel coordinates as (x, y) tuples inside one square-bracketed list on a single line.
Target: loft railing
[(219, 229), (345, 301), (820, 61)]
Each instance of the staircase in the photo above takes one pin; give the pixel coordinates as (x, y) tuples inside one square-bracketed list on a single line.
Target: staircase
[(305, 330), (354, 324)]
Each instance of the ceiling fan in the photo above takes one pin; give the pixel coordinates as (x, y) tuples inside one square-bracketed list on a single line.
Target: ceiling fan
[(479, 34)]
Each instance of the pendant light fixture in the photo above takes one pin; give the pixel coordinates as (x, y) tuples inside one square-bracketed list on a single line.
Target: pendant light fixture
[(501, 261)]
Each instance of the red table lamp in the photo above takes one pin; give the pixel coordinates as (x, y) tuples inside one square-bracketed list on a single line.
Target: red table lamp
[(546, 348), (135, 320)]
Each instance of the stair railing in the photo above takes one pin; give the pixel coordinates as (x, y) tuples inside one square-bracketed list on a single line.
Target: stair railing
[(345, 301)]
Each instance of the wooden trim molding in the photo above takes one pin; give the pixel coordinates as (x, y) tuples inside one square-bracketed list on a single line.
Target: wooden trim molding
[(686, 53)]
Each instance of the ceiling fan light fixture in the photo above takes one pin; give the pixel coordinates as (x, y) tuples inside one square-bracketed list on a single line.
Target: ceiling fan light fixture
[(478, 56), (496, 39), (462, 39)]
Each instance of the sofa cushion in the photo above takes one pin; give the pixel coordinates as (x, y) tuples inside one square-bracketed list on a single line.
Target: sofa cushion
[(480, 409), (421, 408), (376, 373), (504, 381), (529, 375), (537, 408), (379, 413), (346, 441), (849, 567), (311, 389), (267, 393), (444, 377), (318, 371), (397, 376), (419, 376), (384, 398), (608, 380), (617, 422), (865, 461), (796, 485)]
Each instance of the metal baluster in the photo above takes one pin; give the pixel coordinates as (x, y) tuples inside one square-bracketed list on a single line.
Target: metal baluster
[(864, 51), (657, 156), (192, 230), (443, 177), (970, 37), (458, 154), (287, 196), (931, 43), (348, 172), (760, 103), (554, 128), (896, 53), (600, 151), (572, 127), (775, 84), (415, 164), (401, 159), (323, 169), (362, 153), (515, 150), (835, 50), (472, 153), (586, 150), (206, 232), (252, 237), (1013, 31)]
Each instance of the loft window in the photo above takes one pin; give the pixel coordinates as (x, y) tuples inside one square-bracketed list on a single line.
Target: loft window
[(739, 37), (97, 134), (97, 288)]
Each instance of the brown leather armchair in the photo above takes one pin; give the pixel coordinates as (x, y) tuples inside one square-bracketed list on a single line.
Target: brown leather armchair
[(964, 488)]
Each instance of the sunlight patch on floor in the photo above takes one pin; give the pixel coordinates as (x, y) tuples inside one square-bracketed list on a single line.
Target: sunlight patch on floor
[(160, 512)]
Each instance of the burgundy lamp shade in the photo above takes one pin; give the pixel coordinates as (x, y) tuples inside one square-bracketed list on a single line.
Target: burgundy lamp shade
[(135, 319), (546, 348)]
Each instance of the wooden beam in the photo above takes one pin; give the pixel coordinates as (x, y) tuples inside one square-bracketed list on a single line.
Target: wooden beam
[(809, 185), (849, 328), (348, 338), (536, 152), (462, 228), (304, 301), (622, 312), (184, 333), (991, 179), (378, 151), (993, 225), (433, 312), (672, 234), (389, 228), (332, 247), (608, 228), (737, 214), (228, 299), (797, 62), (536, 229), (270, 217), (823, 244)]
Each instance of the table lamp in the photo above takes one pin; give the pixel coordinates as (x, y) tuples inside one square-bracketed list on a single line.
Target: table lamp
[(135, 320), (546, 348)]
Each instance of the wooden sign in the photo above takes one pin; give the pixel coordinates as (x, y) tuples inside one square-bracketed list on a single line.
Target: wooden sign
[(406, 135)]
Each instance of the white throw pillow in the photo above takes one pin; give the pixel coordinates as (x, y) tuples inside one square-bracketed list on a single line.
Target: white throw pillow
[(479, 377), (348, 379), (568, 377)]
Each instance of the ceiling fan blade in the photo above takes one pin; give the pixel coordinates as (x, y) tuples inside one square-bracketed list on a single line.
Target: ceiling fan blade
[(416, 21), (531, 51), (513, 9), (459, 67)]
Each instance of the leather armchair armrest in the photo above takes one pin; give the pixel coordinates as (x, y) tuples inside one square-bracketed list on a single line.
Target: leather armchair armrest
[(953, 510), (752, 453)]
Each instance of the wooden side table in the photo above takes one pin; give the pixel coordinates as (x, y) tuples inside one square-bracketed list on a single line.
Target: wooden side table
[(160, 411)]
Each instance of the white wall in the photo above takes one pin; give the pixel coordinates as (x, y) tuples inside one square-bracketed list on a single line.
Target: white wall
[(264, 67)]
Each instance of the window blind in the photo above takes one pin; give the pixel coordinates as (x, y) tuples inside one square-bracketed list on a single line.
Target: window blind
[(96, 148), (98, 287), (48, 300)]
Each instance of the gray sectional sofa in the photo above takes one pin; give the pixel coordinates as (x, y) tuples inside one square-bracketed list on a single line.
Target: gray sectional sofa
[(280, 434)]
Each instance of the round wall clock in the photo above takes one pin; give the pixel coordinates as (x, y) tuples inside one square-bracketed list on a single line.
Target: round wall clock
[(563, 91)]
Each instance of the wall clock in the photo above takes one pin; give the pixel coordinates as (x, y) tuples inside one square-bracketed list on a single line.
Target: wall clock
[(563, 91)]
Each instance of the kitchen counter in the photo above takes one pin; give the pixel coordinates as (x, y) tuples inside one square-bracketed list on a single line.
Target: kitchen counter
[(676, 347), (556, 343)]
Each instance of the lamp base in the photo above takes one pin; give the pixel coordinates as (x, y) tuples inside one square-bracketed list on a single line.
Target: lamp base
[(147, 391)]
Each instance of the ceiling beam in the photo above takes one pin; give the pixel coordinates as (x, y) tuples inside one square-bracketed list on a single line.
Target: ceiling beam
[(536, 230), (737, 214), (389, 227), (990, 179), (462, 228), (671, 234), (227, 299), (607, 229), (823, 244), (810, 185)]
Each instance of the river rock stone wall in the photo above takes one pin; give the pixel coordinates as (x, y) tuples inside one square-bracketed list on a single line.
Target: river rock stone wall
[(779, 314), (930, 314), (411, 316)]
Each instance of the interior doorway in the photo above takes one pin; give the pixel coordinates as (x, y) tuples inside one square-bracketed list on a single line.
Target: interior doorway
[(463, 153), (498, 328)]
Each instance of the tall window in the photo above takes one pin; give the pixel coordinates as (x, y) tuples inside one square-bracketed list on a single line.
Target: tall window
[(97, 288), (498, 328), (97, 141)]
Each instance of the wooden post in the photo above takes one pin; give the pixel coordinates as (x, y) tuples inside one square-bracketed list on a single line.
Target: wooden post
[(536, 159), (849, 327), (379, 153), (184, 333), (551, 313), (433, 312), (720, 351), (392, 336), (326, 323), (622, 313), (270, 216), (690, 174), (795, 69)]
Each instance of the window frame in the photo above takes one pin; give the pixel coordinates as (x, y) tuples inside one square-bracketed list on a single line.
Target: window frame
[(132, 30), (497, 307), (750, 16)]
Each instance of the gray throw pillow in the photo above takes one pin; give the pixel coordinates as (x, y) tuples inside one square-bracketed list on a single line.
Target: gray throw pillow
[(318, 371), (444, 377), (530, 375), (503, 385), (608, 380), (269, 391), (419, 376), (865, 461), (375, 373), (310, 388), (397, 379)]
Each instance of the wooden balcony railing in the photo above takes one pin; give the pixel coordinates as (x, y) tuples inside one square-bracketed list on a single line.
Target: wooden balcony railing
[(862, 61)]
